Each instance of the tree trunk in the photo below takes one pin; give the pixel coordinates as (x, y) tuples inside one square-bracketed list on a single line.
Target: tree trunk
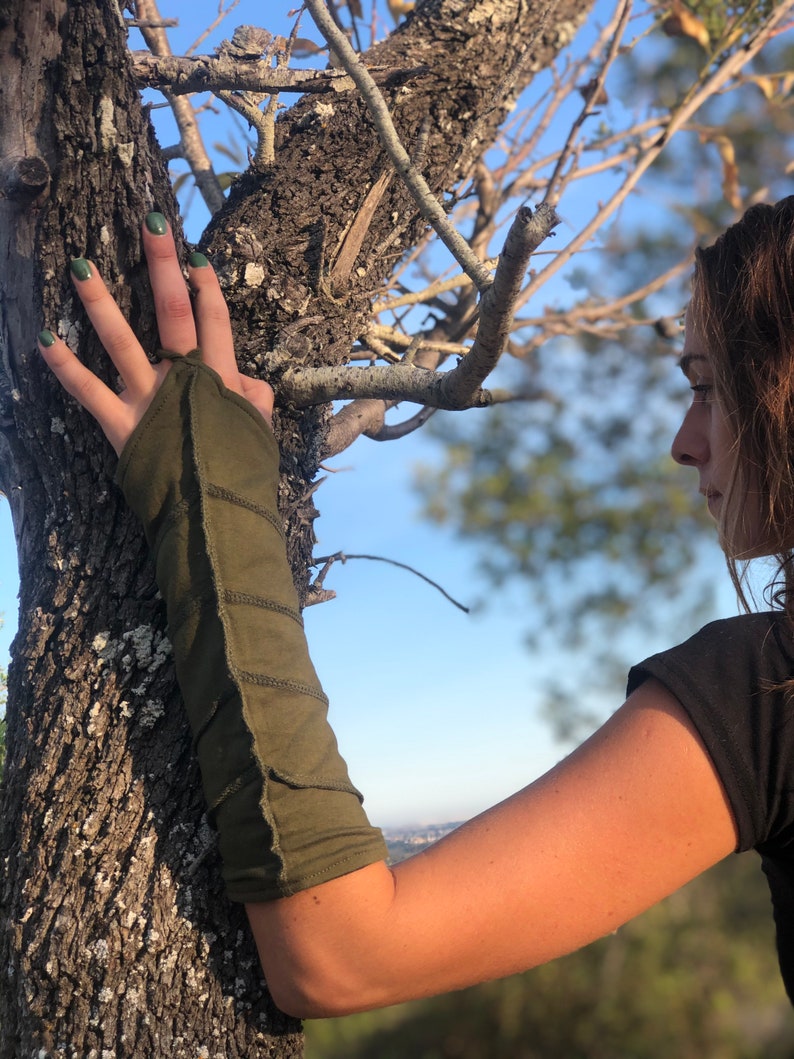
[(117, 940)]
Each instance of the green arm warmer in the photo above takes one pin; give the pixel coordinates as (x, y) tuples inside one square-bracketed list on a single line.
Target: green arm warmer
[(201, 472)]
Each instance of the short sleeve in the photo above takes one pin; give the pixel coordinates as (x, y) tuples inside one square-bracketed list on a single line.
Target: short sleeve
[(728, 678)]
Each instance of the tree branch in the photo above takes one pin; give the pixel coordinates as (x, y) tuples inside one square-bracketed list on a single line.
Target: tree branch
[(526, 234), (429, 206), (181, 75), (703, 89), (192, 143), (456, 389)]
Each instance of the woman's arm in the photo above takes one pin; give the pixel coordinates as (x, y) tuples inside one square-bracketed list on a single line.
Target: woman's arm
[(633, 814), (628, 818)]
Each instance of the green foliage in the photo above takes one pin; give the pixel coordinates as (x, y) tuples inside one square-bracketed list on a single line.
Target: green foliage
[(694, 977)]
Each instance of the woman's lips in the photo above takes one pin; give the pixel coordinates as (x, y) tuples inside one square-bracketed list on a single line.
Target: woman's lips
[(714, 501)]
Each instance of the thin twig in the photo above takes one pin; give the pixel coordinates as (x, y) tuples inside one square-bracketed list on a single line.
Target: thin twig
[(593, 91), (694, 99), (342, 557), (223, 12), (396, 431)]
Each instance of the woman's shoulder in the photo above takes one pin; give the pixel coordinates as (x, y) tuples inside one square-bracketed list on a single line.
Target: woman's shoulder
[(734, 680), (729, 653)]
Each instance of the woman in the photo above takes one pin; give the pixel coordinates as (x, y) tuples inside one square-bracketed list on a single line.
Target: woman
[(692, 767)]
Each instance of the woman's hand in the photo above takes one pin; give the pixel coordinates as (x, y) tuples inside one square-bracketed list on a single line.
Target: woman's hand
[(183, 325)]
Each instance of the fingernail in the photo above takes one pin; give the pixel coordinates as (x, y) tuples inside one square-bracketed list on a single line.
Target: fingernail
[(80, 268), (197, 260), (156, 223), (46, 338)]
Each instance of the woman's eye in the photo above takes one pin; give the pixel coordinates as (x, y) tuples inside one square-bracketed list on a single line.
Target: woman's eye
[(701, 392)]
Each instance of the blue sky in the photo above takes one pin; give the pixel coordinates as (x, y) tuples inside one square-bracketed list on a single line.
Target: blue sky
[(435, 711)]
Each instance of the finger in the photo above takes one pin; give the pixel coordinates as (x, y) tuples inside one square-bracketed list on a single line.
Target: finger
[(114, 332), (98, 399), (171, 298), (259, 394), (212, 321)]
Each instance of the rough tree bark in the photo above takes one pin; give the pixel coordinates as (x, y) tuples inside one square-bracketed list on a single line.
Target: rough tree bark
[(116, 938)]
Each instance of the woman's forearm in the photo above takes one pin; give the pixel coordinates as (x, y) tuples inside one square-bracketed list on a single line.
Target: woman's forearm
[(201, 471)]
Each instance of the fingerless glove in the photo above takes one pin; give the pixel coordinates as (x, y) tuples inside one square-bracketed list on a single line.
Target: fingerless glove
[(201, 472)]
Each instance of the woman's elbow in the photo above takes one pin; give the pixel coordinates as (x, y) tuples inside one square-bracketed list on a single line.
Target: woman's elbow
[(311, 977), (310, 997), (320, 949)]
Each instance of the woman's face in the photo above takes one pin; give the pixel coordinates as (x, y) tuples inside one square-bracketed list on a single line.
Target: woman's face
[(706, 441)]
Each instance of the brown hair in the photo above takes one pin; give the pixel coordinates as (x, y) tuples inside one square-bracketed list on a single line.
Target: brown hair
[(743, 302)]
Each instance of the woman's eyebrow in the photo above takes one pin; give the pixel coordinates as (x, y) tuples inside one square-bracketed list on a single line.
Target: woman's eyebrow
[(686, 361)]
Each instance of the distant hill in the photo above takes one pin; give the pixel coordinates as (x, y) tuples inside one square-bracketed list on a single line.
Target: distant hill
[(404, 842)]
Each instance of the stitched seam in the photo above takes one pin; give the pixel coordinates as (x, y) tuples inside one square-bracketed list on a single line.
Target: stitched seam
[(197, 603), (220, 492), (262, 680), (249, 600), (251, 775)]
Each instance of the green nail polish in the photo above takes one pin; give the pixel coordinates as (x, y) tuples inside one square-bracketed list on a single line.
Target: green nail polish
[(156, 223), (197, 260), (46, 338), (80, 268)]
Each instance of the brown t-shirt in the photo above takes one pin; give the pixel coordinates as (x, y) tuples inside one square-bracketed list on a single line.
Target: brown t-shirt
[(727, 678)]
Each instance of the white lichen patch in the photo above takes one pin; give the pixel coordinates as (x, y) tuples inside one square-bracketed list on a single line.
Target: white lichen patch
[(100, 950), (57, 425), (126, 153), (254, 275), (93, 715), (325, 111), (106, 127), (69, 330), (149, 647), (150, 713)]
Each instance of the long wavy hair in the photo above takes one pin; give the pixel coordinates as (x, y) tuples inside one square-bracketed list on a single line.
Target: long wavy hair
[(743, 302)]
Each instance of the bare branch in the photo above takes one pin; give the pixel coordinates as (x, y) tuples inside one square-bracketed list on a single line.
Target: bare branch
[(526, 233), (395, 431), (703, 89), (139, 23), (193, 145), (429, 206), (456, 389), (261, 121), (181, 75), (341, 557)]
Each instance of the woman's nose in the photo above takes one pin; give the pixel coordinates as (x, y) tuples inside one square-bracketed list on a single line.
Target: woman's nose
[(690, 445)]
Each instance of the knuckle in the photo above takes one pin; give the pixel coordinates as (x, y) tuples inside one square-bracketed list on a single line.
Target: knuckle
[(175, 306), (215, 312), (118, 340)]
